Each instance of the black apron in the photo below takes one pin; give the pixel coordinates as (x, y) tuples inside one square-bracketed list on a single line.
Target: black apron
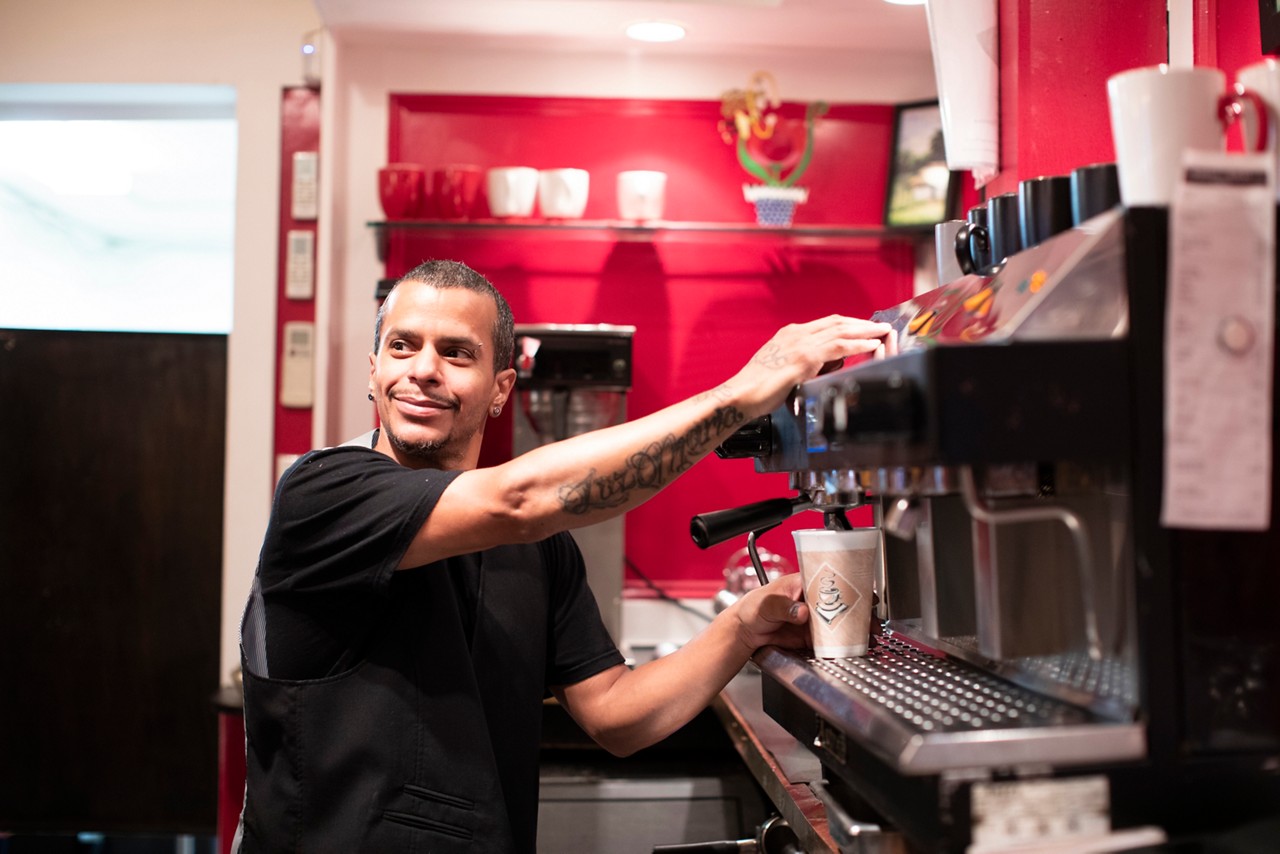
[(400, 753)]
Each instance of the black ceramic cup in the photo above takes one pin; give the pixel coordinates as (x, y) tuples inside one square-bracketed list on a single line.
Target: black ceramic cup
[(1003, 229), (980, 250), (1044, 208), (1095, 189), (972, 245)]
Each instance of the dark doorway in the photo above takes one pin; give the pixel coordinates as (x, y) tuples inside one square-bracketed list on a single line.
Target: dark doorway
[(111, 488)]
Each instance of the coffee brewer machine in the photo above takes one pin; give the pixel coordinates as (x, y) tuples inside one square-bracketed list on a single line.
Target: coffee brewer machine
[(1050, 659), (571, 379)]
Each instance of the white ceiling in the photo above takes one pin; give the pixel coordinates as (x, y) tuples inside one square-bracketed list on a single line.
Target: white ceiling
[(714, 26)]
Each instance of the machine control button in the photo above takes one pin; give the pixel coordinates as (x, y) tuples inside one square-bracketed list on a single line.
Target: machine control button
[(869, 409), (753, 439)]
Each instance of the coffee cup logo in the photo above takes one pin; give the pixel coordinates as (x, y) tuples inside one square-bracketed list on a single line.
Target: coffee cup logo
[(828, 596)]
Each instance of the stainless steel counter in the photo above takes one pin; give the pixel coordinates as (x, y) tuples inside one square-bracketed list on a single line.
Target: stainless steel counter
[(779, 763)]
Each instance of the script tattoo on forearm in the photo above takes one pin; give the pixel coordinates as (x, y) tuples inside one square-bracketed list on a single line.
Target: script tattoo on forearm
[(652, 467)]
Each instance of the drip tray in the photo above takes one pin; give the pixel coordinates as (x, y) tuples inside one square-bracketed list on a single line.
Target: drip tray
[(925, 712), (943, 695)]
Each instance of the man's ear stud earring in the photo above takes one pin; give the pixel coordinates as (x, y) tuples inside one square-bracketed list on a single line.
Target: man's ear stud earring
[(497, 410), (371, 395)]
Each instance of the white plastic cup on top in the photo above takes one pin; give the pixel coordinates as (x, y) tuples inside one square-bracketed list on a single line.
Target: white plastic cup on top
[(641, 194), (512, 190), (562, 193)]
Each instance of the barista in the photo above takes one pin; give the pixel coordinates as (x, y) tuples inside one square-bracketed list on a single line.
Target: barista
[(410, 610)]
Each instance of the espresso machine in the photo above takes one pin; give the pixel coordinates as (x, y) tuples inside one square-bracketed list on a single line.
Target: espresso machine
[(1048, 661), (571, 379)]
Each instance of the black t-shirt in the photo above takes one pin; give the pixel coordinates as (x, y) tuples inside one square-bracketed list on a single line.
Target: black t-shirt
[(401, 710), (342, 519)]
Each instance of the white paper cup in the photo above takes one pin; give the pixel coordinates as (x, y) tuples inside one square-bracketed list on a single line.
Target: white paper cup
[(641, 194), (562, 193), (512, 190), (838, 571), (1157, 112)]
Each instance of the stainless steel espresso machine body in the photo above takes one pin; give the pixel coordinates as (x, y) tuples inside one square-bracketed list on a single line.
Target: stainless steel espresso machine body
[(1047, 651), (571, 379)]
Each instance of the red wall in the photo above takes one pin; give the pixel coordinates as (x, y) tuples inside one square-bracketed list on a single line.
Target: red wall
[(1226, 34), (702, 303), (847, 175), (1054, 63)]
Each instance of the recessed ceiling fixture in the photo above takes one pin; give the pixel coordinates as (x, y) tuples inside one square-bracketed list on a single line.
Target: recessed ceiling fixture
[(906, 2), (655, 31)]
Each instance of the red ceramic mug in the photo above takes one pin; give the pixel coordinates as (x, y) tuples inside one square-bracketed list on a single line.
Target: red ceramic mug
[(400, 187), (456, 188)]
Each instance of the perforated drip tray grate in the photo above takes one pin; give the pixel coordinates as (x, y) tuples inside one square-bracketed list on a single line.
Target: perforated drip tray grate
[(927, 712), (936, 694), (1108, 678), (1109, 681)]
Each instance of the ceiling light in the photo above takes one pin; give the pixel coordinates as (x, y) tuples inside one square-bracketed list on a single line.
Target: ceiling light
[(906, 2), (655, 31)]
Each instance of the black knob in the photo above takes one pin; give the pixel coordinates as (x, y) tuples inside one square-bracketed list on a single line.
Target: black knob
[(753, 439)]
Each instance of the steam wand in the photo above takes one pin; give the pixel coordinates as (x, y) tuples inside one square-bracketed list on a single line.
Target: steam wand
[(754, 554), (709, 529)]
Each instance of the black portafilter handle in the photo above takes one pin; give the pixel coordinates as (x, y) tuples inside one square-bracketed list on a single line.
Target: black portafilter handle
[(709, 529)]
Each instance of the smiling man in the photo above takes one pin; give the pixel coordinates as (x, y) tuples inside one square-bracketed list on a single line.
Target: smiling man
[(435, 381), (410, 611)]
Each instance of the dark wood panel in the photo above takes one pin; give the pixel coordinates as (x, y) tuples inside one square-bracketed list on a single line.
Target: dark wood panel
[(111, 485)]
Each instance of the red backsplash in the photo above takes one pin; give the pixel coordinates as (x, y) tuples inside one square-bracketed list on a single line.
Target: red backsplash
[(702, 303), (605, 136)]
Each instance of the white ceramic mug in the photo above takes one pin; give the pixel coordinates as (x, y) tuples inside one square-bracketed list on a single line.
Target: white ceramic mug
[(1159, 111), (562, 193), (1263, 79), (641, 194), (512, 190)]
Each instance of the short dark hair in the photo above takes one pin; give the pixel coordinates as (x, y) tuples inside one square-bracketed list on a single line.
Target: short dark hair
[(455, 274)]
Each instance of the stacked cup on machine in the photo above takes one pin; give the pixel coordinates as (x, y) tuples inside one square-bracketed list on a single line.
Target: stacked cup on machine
[(1160, 111)]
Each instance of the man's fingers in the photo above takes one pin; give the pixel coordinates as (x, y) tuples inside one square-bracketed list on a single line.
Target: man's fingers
[(785, 601), (797, 613)]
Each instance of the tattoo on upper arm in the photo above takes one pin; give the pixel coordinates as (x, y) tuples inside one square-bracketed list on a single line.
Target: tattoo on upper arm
[(652, 467)]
